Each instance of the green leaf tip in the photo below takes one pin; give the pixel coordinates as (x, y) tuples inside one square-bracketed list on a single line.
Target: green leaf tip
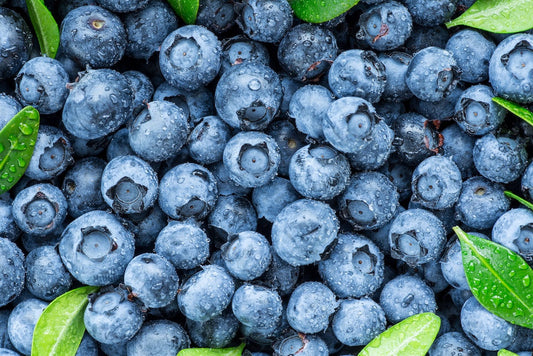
[(499, 278), (186, 9), (515, 109), (410, 337), (45, 27), (504, 352), (317, 11), (519, 199), (60, 328), (230, 351), (498, 16), (17, 141)]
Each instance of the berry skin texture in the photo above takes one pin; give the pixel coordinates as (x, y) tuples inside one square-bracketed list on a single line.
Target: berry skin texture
[(431, 12), (271, 198), (303, 231), (527, 182), (302, 345), (510, 68), (216, 332), (265, 20), (93, 36), (514, 230), (357, 322), (47, 278), (22, 321), (207, 140), (189, 57), (232, 214), (257, 307), (158, 337), (308, 107), (12, 284), (457, 145), (246, 255), (16, 43), (396, 64), (453, 343), (432, 74), (239, 49)]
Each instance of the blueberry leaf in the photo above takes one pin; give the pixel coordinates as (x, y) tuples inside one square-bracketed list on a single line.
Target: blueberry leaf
[(17, 140), (519, 199), (516, 109), (499, 278), (410, 337), (45, 27), (60, 328), (499, 16), (186, 9), (504, 352), (318, 11), (230, 351)]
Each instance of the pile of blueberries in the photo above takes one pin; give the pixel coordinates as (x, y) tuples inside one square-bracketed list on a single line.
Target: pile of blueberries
[(255, 177)]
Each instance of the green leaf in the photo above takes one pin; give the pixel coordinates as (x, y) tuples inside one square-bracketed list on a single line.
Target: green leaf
[(45, 27), (230, 351), (17, 140), (318, 11), (499, 278), (186, 9), (504, 352), (410, 337), (519, 199), (60, 328), (499, 16), (516, 109)]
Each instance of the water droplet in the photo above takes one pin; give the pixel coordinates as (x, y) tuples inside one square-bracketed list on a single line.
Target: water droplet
[(25, 128), (526, 281)]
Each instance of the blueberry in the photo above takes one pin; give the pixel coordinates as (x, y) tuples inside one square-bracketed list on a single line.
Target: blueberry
[(159, 131), (417, 236), (232, 214), (265, 20), (119, 144), (514, 230), (436, 183), (451, 264), (88, 147), (185, 245), (303, 345), (432, 275), (217, 15), (377, 151), (88, 346), (354, 268), (96, 248), (146, 28), (239, 49), (207, 140), (480, 192), (158, 337), (476, 113), (217, 332), (417, 138), (8, 352), (190, 57), (432, 74), (381, 236), (224, 183), (396, 64), (349, 123), (389, 111), (41, 82), (369, 201), (404, 296), (500, 159), (9, 107), (22, 321), (256, 306), (453, 343), (527, 182), (119, 349), (357, 73), (280, 276), (485, 329), (422, 37), (152, 279), (510, 67), (8, 227), (271, 198), (458, 145), (147, 226), (187, 190), (46, 277), (385, 26), (206, 294), (310, 307), (443, 109), (196, 104), (39, 209), (289, 140), (81, 186), (319, 172), (431, 12), (308, 107), (141, 87), (400, 175), (251, 158), (129, 185), (447, 215), (472, 51), (93, 36), (303, 231), (52, 154), (248, 96), (12, 265), (306, 51), (110, 105), (110, 317), (246, 255), (357, 322), (16, 44)]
